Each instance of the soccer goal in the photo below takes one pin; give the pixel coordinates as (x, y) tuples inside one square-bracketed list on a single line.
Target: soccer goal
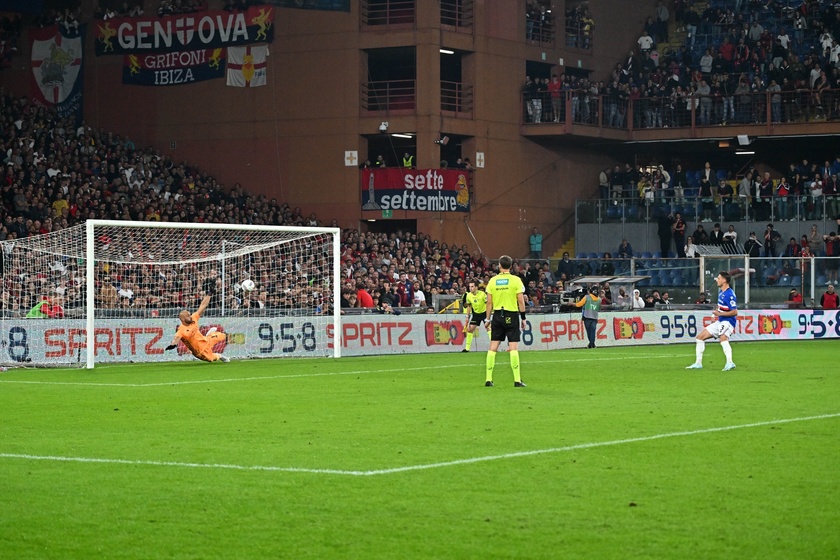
[(273, 292)]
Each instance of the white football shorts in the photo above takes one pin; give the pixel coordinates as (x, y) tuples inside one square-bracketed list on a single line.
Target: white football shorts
[(720, 328)]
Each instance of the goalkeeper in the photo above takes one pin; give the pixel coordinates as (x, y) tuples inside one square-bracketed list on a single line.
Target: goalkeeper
[(200, 345), (475, 304)]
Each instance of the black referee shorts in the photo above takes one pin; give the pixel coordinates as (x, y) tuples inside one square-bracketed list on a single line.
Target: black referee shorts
[(505, 326), (476, 318)]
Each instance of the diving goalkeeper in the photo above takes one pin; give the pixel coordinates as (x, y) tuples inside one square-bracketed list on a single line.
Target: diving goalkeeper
[(200, 345)]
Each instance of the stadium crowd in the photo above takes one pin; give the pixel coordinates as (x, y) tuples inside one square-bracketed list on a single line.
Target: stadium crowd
[(58, 175), (727, 64)]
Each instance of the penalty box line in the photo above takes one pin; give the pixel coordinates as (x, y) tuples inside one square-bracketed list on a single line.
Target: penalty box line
[(320, 374), (421, 467)]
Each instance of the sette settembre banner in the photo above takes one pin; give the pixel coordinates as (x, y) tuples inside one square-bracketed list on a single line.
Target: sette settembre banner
[(421, 190)]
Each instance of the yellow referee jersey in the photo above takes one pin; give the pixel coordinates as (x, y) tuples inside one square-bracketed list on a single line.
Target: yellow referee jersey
[(476, 301), (503, 289)]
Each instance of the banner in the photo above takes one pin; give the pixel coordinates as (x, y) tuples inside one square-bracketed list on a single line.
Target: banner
[(247, 66), (202, 30), (57, 69), (143, 340), (175, 68), (423, 190)]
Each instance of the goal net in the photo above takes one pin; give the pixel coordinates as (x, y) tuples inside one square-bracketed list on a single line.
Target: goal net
[(127, 282)]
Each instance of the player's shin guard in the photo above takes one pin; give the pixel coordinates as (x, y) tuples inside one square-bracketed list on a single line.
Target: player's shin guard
[(514, 365), (727, 350), (699, 349), (468, 343), (491, 363)]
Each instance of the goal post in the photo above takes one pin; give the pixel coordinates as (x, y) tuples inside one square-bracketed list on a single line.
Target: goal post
[(110, 291)]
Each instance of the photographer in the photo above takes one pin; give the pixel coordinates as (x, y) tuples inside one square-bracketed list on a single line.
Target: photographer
[(590, 304)]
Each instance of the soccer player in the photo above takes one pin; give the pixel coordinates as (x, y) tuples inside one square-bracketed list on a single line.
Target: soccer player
[(505, 310), (722, 329), (200, 345), (475, 305)]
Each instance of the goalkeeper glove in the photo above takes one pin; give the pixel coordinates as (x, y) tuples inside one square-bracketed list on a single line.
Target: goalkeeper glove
[(210, 287), (171, 347)]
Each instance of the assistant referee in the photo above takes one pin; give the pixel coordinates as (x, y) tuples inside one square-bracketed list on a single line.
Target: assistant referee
[(505, 310)]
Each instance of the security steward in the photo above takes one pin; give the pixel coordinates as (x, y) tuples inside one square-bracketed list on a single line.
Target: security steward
[(408, 161), (505, 317), (590, 304)]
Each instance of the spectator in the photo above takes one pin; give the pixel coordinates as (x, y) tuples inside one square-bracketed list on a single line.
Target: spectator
[(771, 237), (419, 298), (535, 243), (829, 299), (566, 269), (716, 236), (832, 249), (637, 301), (700, 237), (625, 250), (679, 235), (753, 247), (363, 297)]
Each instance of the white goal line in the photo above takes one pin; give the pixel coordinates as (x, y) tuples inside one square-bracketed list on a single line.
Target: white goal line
[(421, 467)]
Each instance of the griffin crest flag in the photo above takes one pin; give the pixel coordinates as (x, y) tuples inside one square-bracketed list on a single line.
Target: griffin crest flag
[(246, 66), (57, 63)]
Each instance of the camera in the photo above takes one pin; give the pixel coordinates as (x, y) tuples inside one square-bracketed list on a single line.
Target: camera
[(383, 127)]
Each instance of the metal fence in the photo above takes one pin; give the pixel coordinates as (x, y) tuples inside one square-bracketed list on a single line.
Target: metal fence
[(631, 111), (639, 209)]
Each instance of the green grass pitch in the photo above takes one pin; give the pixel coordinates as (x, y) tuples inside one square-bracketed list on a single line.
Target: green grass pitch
[(608, 453)]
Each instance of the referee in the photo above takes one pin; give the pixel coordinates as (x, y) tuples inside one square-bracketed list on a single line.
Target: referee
[(475, 304), (505, 310)]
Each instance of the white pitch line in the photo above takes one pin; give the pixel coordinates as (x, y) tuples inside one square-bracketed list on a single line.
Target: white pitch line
[(422, 467), (296, 375)]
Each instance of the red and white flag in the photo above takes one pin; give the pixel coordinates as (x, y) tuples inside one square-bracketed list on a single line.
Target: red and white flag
[(246, 66)]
